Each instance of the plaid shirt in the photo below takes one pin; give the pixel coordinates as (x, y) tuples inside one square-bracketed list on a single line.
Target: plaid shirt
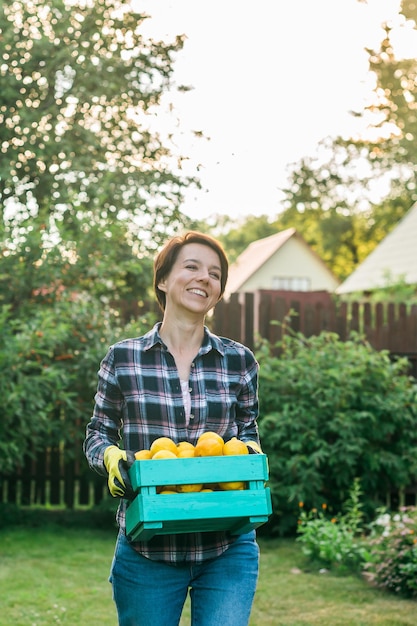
[(139, 399)]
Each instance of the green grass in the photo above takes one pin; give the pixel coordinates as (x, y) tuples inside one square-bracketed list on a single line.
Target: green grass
[(59, 576)]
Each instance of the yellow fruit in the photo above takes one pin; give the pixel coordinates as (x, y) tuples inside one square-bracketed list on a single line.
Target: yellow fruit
[(164, 454), (205, 490), (185, 449), (186, 453), (211, 486), (161, 488), (232, 486), (210, 434), (208, 447), (185, 445), (189, 488), (143, 454), (168, 491), (234, 446), (163, 443)]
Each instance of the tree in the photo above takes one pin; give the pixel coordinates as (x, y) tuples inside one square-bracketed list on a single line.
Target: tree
[(83, 177), (332, 198), (87, 192), (235, 234), (247, 230), (79, 82), (321, 205)]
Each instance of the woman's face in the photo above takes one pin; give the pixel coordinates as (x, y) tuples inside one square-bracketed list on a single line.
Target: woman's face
[(194, 280)]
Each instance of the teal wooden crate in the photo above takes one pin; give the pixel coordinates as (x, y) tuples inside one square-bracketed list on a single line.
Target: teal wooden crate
[(237, 511)]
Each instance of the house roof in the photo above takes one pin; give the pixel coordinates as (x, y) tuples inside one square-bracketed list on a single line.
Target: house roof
[(254, 256), (257, 254), (394, 258)]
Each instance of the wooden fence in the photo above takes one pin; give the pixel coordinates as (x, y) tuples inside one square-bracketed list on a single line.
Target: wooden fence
[(60, 476), (386, 326)]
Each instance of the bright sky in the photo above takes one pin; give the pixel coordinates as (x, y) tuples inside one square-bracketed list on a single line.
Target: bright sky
[(271, 78)]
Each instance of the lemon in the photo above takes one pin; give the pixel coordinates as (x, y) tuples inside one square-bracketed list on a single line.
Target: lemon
[(143, 454), (209, 446), (164, 454), (235, 446), (163, 443), (237, 485), (193, 488)]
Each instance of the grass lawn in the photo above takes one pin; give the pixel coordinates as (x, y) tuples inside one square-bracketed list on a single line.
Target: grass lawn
[(59, 576)]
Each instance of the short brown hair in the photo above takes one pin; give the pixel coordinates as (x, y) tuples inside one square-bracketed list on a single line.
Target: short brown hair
[(166, 258)]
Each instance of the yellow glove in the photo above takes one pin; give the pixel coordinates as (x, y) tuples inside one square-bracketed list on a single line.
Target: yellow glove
[(253, 447), (112, 457)]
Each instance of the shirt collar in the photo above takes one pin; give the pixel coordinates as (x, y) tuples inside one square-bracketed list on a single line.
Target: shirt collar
[(210, 341)]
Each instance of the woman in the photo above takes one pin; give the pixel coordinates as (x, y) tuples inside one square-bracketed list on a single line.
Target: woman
[(178, 380)]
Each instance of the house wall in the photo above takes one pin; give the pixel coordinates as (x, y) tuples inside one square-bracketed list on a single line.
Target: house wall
[(294, 259)]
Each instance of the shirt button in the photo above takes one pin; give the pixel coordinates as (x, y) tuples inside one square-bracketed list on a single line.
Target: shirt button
[(191, 416), (190, 389)]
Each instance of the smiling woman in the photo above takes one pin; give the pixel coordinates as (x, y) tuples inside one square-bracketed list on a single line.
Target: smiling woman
[(178, 381), (193, 284), (188, 287), (169, 254)]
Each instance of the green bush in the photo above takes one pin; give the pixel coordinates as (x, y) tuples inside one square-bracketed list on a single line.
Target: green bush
[(48, 373), (391, 563), (333, 411), (334, 541)]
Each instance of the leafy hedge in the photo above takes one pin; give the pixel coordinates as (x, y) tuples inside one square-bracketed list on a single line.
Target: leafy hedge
[(48, 373), (331, 412)]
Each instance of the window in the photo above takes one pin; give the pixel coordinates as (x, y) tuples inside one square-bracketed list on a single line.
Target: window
[(291, 283)]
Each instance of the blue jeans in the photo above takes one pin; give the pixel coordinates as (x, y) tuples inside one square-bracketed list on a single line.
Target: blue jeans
[(152, 593)]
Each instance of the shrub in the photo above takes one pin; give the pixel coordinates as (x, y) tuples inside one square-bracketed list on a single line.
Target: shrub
[(48, 373), (391, 563), (334, 541), (331, 411)]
